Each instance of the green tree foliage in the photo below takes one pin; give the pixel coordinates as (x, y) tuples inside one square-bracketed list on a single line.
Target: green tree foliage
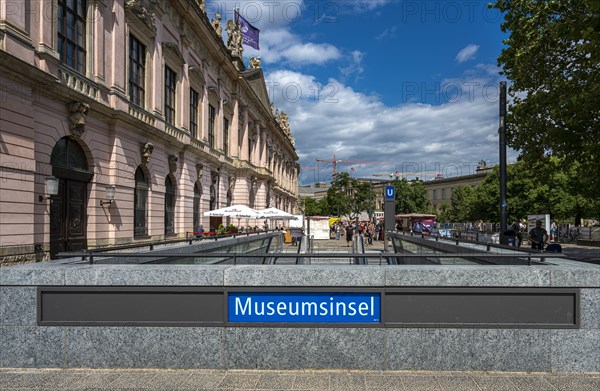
[(411, 197), (546, 186), (552, 59), (463, 204), (347, 196), (312, 207)]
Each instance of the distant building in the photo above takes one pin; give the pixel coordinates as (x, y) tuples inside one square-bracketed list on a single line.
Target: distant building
[(439, 190), (145, 117)]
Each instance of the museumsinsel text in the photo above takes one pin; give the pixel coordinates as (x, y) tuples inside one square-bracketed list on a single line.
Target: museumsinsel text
[(301, 307)]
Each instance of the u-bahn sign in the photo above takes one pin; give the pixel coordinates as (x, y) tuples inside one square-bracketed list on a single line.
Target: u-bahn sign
[(390, 192)]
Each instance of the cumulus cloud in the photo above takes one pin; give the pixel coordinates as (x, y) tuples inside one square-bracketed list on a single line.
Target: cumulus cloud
[(412, 138), (467, 53)]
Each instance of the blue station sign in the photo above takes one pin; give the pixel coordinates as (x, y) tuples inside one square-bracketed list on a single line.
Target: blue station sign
[(390, 192), (304, 307)]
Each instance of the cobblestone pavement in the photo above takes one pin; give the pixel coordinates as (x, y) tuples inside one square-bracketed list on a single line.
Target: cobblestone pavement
[(217, 380)]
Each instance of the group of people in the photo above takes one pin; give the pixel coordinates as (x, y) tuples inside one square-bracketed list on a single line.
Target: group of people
[(370, 231), (537, 236)]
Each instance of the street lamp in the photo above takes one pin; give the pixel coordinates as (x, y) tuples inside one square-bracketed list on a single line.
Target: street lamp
[(110, 196), (51, 184)]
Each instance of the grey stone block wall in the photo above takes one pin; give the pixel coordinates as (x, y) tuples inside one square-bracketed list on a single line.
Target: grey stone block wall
[(25, 344)]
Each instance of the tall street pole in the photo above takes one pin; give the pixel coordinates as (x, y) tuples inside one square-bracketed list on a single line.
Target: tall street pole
[(502, 137)]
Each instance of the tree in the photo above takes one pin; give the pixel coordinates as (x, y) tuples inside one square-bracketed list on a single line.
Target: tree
[(347, 196), (312, 207), (463, 202), (552, 58), (411, 197), (546, 186)]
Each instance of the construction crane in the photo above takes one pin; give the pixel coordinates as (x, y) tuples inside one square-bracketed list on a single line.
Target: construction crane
[(315, 177), (336, 161)]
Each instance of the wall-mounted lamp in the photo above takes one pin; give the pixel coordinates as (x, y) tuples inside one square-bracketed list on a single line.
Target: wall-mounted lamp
[(51, 188), (110, 196)]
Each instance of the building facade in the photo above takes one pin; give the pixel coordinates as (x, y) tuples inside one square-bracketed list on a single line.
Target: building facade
[(143, 114)]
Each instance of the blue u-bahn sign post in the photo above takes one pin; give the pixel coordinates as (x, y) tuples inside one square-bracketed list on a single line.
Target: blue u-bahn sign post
[(389, 213)]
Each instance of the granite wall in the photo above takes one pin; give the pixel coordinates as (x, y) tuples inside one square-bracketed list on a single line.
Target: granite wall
[(23, 343)]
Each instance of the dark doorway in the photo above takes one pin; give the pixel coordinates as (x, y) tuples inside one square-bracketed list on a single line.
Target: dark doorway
[(68, 209)]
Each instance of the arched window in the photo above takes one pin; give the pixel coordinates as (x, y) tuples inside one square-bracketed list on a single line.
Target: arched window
[(251, 197), (68, 154), (229, 197), (140, 204), (213, 197), (197, 196), (169, 207)]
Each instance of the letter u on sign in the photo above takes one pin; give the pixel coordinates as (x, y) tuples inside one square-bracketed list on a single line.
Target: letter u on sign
[(389, 192)]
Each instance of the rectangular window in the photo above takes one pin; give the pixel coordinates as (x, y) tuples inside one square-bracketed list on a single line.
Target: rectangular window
[(137, 71), (211, 125), (443, 194), (194, 101), (170, 86), (71, 33), (226, 137)]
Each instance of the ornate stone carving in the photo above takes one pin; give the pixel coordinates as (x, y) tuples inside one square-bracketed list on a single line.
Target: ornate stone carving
[(172, 163), (199, 171), (77, 113), (143, 10), (254, 62), (202, 5), (231, 182), (147, 150), (234, 38), (282, 120), (216, 23)]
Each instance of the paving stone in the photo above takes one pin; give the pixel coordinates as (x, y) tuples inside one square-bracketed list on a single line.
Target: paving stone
[(311, 382), (384, 382), (495, 383), (275, 382)]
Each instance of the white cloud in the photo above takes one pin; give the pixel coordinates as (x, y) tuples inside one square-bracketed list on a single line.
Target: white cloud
[(332, 118), (389, 32), (354, 66), (467, 53)]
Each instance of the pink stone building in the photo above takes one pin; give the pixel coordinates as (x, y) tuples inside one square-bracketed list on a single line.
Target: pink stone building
[(140, 99)]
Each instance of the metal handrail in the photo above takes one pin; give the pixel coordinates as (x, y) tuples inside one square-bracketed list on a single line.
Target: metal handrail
[(151, 245), (529, 257)]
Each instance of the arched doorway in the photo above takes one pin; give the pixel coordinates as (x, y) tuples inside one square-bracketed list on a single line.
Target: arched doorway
[(68, 209), (170, 198), (197, 199)]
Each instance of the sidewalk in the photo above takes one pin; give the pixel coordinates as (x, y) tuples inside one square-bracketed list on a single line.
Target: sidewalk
[(218, 380)]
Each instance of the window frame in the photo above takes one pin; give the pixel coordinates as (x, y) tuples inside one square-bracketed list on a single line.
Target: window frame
[(170, 95), (137, 64), (226, 125), (212, 119), (194, 112), (78, 38)]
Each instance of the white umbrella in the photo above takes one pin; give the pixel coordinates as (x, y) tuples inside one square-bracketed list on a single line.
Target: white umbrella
[(277, 214), (239, 211)]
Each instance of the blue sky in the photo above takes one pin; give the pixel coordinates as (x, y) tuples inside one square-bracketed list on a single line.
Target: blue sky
[(410, 84)]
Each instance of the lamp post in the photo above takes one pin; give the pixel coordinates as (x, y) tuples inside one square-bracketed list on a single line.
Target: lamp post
[(51, 184)]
